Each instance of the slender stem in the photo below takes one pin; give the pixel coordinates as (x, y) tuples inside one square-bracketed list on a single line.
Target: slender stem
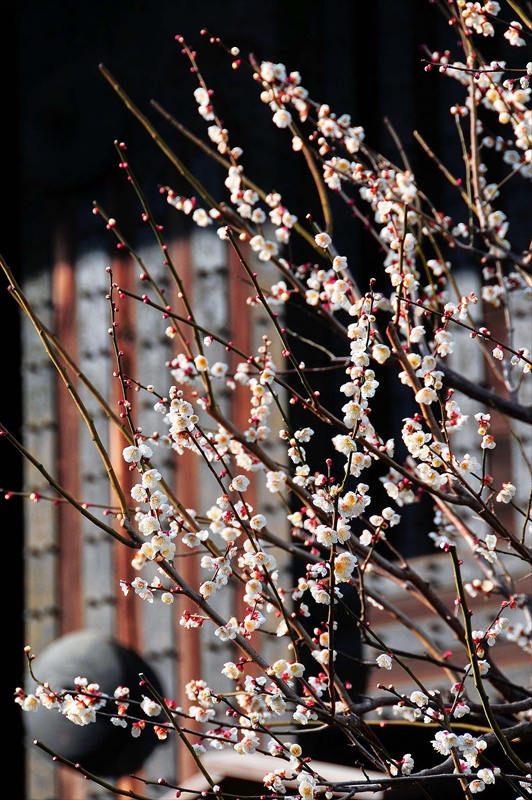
[(309, 155), (174, 723), (501, 738), (225, 163), (172, 157), (80, 405), (90, 775), (273, 317), (110, 414), (72, 500)]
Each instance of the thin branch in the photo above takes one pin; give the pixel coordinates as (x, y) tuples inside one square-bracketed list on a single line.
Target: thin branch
[(485, 396)]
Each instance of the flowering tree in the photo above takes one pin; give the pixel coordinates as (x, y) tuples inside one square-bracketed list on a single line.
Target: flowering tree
[(405, 324)]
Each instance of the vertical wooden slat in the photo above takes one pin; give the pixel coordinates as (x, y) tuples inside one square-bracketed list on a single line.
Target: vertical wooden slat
[(468, 359), (127, 612), (128, 625), (499, 459), (70, 588), (261, 325), (240, 333), (209, 262), (40, 519), (156, 620), (521, 309), (188, 642), (67, 469), (95, 362)]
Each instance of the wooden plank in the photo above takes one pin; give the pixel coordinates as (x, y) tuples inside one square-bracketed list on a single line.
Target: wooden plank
[(127, 612), (157, 624), (70, 591), (40, 526), (95, 362)]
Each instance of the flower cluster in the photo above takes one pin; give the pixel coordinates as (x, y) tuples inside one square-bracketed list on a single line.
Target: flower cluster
[(310, 452)]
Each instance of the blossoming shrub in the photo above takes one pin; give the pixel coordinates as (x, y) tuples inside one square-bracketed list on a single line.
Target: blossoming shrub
[(338, 535)]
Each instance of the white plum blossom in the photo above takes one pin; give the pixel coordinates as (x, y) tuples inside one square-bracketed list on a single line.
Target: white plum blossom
[(344, 564), (151, 478), (320, 594), (149, 525), (150, 707), (29, 702), (138, 493), (461, 710), (407, 764), (444, 741), (201, 218), (426, 396), (282, 118), (486, 775), (248, 744), (339, 263), (444, 341), (78, 710), (323, 240), (275, 481), (142, 589), (381, 353), (326, 535), (507, 493), (419, 698), (239, 483), (512, 34), (131, 454), (194, 538), (218, 370)]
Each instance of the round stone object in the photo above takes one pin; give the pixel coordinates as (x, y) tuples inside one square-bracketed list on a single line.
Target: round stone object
[(99, 747)]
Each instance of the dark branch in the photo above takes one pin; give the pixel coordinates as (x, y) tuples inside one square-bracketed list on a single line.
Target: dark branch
[(486, 396)]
